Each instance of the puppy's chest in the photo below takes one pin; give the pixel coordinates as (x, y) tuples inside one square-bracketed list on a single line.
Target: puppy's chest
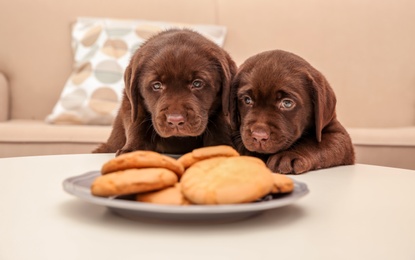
[(177, 145)]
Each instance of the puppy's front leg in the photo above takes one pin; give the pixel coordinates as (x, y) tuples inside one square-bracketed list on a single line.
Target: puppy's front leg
[(131, 144), (116, 138), (134, 136), (307, 154)]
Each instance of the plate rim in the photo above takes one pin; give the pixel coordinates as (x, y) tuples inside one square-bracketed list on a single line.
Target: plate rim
[(82, 192)]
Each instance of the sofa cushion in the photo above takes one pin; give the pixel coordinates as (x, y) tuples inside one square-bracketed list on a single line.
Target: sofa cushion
[(102, 50), (36, 131), (393, 147), (391, 136), (35, 137)]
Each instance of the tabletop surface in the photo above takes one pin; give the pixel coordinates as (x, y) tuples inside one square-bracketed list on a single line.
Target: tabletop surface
[(351, 212)]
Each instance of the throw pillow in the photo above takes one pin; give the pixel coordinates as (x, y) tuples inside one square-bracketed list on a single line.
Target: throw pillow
[(102, 50)]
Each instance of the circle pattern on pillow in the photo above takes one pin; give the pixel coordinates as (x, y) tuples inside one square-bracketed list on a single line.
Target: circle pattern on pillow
[(81, 73), (145, 31), (104, 100), (117, 30), (115, 48), (109, 71), (91, 36), (74, 99), (102, 50)]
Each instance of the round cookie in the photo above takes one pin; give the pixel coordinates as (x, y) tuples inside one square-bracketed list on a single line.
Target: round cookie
[(142, 159), (226, 180), (282, 184), (168, 196), (203, 153), (133, 181)]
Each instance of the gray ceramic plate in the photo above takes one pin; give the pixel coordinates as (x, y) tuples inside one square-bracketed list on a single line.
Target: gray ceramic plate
[(79, 186)]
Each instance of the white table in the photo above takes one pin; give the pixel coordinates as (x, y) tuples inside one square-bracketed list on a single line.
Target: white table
[(351, 212)]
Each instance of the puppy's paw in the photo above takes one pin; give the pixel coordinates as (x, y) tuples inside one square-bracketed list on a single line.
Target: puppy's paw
[(104, 148), (289, 162), (122, 151)]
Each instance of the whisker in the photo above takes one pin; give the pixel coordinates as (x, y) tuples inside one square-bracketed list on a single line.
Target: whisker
[(153, 136), (237, 141)]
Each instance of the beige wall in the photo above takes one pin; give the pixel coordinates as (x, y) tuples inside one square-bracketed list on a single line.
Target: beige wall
[(365, 48)]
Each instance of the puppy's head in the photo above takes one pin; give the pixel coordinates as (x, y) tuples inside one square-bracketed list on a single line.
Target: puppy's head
[(179, 78), (277, 97)]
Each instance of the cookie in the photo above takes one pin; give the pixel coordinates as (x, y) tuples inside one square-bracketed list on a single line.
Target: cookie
[(203, 153), (282, 184), (142, 159), (227, 180), (168, 196), (133, 181)]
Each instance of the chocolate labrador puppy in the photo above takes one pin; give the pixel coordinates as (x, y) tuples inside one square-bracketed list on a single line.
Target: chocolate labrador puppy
[(283, 111), (173, 93)]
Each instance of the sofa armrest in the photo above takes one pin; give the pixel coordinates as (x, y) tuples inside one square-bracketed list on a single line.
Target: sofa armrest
[(4, 98)]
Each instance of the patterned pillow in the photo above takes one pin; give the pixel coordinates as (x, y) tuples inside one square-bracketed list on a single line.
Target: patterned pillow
[(102, 50)]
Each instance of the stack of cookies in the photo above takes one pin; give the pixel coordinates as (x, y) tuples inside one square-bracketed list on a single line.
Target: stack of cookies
[(209, 175)]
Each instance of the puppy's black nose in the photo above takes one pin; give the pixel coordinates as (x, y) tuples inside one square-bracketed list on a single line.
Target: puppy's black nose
[(260, 135), (175, 120)]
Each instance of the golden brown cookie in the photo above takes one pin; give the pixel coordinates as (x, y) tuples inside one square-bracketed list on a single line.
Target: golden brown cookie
[(168, 196), (226, 180), (282, 184), (142, 159), (203, 153), (133, 181)]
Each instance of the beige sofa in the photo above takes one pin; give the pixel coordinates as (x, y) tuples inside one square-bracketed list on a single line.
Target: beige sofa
[(365, 49)]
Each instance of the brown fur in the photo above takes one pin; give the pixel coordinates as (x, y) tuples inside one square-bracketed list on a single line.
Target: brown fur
[(173, 96), (283, 111)]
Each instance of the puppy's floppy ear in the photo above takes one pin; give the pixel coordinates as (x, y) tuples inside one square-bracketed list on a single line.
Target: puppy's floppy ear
[(132, 91), (228, 68), (127, 89), (324, 101), (234, 117)]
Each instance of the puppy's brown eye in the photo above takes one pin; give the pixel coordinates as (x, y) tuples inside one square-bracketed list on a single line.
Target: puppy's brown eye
[(287, 104), (248, 100), (157, 85), (197, 83)]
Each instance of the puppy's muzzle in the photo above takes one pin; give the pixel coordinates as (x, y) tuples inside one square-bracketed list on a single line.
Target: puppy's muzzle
[(175, 120), (259, 136), (260, 133)]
